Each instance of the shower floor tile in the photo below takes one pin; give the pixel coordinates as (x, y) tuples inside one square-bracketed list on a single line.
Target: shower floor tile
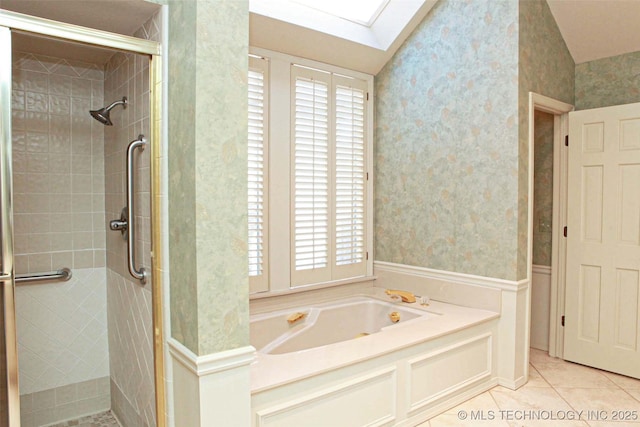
[(103, 419)]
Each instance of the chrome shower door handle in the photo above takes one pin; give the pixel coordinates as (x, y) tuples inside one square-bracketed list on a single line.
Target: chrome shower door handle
[(140, 274)]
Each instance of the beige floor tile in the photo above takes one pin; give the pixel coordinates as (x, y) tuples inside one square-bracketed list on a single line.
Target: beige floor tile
[(567, 374), (635, 394), (626, 383), (535, 379), (535, 406), (479, 411), (541, 357), (556, 389), (602, 406)]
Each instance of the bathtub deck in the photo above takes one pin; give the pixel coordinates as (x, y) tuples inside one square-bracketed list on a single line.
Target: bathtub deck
[(270, 371)]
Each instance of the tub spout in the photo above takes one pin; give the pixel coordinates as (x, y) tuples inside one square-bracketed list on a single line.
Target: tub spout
[(406, 296)]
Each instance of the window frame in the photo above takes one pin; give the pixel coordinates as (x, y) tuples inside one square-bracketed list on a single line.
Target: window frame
[(280, 181), (260, 283)]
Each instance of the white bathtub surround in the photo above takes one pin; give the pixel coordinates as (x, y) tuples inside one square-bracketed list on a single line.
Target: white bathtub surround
[(302, 328), (509, 298), (401, 375), (210, 390), (540, 306)]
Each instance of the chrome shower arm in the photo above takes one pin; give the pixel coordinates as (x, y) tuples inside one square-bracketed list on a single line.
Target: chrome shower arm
[(122, 101)]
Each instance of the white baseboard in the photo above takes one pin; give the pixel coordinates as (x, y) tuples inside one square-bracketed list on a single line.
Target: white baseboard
[(213, 389), (512, 384)]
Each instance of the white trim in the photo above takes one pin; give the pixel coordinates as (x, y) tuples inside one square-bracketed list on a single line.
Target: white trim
[(453, 277), (541, 269), (513, 384), (558, 248), (313, 287), (211, 363), (271, 54), (486, 338), (334, 392), (61, 30)]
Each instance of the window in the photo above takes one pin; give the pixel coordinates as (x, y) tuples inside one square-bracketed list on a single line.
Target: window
[(257, 173), (363, 12), (316, 223)]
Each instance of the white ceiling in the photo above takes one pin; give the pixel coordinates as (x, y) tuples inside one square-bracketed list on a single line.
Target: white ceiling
[(592, 29), (595, 29)]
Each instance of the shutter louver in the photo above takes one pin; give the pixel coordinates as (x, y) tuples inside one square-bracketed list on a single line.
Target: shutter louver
[(311, 174), (256, 175), (349, 175)]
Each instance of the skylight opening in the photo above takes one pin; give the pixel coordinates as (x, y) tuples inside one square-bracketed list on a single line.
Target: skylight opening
[(363, 12)]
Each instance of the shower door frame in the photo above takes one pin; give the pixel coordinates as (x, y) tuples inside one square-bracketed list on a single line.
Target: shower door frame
[(17, 22)]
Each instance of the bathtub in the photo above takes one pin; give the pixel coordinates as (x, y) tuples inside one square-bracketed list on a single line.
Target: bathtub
[(347, 354), (325, 324)]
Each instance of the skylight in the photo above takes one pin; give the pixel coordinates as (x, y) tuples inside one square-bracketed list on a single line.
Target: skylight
[(363, 12), (356, 34)]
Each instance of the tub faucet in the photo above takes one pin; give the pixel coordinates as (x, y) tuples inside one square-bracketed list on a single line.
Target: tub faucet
[(404, 295)]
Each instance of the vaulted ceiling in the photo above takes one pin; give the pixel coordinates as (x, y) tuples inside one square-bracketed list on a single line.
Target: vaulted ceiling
[(592, 29)]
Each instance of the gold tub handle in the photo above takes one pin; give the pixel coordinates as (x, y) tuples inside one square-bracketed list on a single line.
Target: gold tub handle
[(293, 318)]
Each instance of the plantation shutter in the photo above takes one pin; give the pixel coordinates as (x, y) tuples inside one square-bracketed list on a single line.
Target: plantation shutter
[(311, 236), (350, 178), (257, 176)]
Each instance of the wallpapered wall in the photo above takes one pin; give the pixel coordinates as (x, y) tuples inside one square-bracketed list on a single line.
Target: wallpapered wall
[(446, 194), (608, 81), (546, 68), (542, 188), (207, 174), (451, 135)]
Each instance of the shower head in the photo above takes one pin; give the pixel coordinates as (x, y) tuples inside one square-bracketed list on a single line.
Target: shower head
[(102, 115)]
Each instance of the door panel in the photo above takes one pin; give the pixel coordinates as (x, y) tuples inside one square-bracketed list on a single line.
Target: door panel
[(9, 394), (602, 326)]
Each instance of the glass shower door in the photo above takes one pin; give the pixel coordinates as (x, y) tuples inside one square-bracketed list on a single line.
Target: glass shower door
[(9, 394)]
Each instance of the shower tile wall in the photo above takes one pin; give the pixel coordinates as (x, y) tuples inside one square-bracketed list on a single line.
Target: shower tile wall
[(59, 219), (129, 303)]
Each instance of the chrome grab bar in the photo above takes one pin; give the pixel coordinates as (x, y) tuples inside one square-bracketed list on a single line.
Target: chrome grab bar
[(63, 275), (141, 274)]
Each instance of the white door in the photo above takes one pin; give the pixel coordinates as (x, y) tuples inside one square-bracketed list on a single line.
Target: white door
[(602, 322)]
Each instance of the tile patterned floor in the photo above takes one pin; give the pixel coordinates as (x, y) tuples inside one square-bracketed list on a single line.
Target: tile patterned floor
[(103, 419), (558, 393)]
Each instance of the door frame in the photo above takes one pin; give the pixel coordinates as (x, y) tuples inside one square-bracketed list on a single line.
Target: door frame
[(6, 238), (560, 111), (14, 21)]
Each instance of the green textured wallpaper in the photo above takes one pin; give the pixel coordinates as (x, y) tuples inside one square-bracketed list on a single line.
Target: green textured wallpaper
[(608, 81), (547, 68), (446, 193), (542, 188), (208, 47), (452, 135)]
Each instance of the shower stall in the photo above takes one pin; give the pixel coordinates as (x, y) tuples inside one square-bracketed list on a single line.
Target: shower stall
[(80, 304)]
